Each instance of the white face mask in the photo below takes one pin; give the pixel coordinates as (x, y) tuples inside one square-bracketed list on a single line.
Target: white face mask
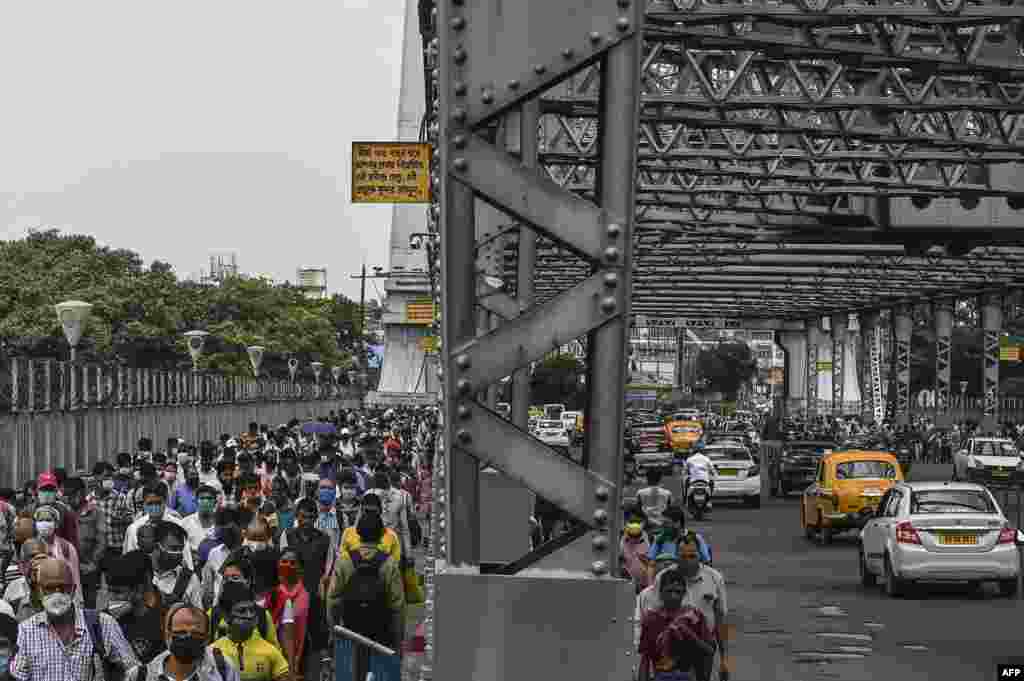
[(256, 545), (45, 528), (57, 605)]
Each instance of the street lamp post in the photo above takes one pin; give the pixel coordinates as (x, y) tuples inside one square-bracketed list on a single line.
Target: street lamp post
[(255, 360), (317, 368), (336, 376), (963, 400), (73, 315), (196, 342), (293, 368)]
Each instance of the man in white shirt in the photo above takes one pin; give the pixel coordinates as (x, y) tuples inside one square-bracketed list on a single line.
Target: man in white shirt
[(201, 524), (654, 498), (699, 467), (154, 497)]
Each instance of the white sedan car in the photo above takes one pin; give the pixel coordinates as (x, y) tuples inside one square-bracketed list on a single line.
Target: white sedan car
[(737, 473), (988, 460), (552, 433), (938, 532)]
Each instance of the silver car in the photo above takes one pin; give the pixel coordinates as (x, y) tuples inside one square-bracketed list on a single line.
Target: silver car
[(938, 532)]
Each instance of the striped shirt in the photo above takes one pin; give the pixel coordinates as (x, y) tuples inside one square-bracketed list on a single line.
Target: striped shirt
[(117, 516), (42, 656)]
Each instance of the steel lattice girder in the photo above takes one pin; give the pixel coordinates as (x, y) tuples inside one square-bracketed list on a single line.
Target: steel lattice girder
[(492, 58)]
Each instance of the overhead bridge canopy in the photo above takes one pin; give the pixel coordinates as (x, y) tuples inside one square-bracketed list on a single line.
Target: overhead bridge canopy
[(805, 158)]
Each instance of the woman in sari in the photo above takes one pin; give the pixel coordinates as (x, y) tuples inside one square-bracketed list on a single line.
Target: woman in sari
[(675, 639), (289, 608)]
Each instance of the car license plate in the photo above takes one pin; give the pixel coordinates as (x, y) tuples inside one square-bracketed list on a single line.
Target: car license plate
[(958, 539), (727, 471)]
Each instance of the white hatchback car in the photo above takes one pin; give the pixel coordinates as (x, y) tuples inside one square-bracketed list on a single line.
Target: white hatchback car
[(737, 473), (938, 532), (988, 460)]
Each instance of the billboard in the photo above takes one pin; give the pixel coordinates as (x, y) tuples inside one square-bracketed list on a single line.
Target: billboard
[(420, 311), (390, 172), (313, 278)]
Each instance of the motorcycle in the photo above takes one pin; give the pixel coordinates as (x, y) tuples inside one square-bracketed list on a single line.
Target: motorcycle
[(698, 498)]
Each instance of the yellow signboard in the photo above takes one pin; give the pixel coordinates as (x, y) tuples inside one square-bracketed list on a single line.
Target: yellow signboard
[(390, 172), (824, 365), (428, 344), (419, 311)]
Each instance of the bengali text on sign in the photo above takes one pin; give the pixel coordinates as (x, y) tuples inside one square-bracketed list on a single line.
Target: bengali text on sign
[(390, 172)]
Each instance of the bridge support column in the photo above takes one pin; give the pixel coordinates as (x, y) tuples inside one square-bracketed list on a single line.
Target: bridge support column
[(529, 119), (868, 321), (838, 322), (942, 313), (825, 355), (814, 339), (991, 325), (794, 344), (903, 325)]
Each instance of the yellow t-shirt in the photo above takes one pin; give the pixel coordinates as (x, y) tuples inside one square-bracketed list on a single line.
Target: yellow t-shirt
[(260, 661), (222, 628), (389, 543)]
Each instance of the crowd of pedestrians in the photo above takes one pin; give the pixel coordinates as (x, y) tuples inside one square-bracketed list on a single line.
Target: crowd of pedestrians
[(227, 561)]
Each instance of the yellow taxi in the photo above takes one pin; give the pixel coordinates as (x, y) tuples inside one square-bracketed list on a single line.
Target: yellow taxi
[(846, 491), (683, 435)]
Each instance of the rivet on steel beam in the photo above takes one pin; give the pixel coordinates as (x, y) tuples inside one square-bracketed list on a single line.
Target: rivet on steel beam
[(539, 69), (611, 279), (602, 493), (599, 543), (600, 516), (460, 89), (463, 362), (599, 567), (611, 254), (458, 23), (568, 53), (460, 164), (463, 386), (459, 55), (595, 37), (464, 436), (513, 85), (487, 97), (464, 412), (622, 24), (608, 305), (459, 115), (613, 230), (459, 141)]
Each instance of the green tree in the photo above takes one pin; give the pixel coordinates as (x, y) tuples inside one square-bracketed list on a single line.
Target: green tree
[(140, 313), (726, 366)]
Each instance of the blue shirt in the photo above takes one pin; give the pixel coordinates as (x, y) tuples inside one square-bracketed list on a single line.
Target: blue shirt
[(703, 550), (183, 500)]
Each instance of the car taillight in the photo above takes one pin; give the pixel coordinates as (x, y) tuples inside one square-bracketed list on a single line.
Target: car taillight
[(1007, 535), (906, 534)]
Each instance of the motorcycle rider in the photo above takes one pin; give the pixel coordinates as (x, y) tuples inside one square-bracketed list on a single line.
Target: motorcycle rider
[(699, 468)]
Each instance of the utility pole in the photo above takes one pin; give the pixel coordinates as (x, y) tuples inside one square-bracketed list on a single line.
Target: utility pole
[(362, 302)]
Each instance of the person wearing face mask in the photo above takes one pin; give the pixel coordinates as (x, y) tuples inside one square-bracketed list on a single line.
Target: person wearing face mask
[(92, 538), (154, 510), (48, 495), (47, 520), (250, 495), (48, 652), (8, 645), (238, 570), (676, 639), (111, 500), (370, 514), (254, 657), (21, 593), (263, 555), (292, 474), (226, 475), (176, 583), (227, 539), (283, 503), (290, 610), (135, 603), (201, 525), (705, 591), (348, 503), (183, 497), (188, 656), (146, 477), (314, 550)]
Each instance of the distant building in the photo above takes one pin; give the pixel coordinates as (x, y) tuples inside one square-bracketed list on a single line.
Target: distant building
[(313, 282), (221, 267)]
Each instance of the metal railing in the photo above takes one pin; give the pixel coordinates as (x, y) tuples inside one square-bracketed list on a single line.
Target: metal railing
[(357, 658)]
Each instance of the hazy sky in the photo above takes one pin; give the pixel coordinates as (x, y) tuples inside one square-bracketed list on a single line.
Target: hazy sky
[(188, 129)]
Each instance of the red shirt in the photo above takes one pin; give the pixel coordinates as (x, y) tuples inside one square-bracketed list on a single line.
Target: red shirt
[(655, 622)]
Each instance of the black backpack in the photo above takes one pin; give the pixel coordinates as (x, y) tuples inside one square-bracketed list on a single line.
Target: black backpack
[(180, 587), (364, 601)]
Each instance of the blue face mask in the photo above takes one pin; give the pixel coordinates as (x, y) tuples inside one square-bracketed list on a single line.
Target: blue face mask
[(154, 510), (5, 664), (285, 519), (327, 496)]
